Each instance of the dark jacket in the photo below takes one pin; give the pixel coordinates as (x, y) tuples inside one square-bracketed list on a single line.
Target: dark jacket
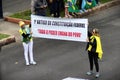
[(93, 44), (89, 35), (40, 8)]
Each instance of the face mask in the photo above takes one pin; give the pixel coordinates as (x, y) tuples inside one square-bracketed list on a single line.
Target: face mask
[(23, 27)]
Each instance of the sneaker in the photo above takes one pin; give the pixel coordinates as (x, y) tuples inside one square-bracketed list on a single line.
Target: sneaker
[(97, 75), (81, 11), (52, 15), (69, 16), (27, 64), (34, 63), (89, 73)]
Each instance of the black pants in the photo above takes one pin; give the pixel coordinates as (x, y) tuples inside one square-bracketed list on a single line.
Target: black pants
[(93, 59), (97, 1), (80, 3), (40, 12), (55, 8)]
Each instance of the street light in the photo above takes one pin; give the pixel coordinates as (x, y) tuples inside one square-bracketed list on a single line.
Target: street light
[(1, 11)]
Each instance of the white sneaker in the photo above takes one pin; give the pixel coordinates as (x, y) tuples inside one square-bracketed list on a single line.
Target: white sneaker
[(34, 63), (97, 75), (89, 73), (27, 64)]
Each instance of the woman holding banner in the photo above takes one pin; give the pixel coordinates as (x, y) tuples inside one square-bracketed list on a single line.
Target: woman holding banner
[(94, 51), (27, 41)]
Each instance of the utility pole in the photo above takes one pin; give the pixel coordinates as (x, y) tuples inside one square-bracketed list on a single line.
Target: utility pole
[(1, 10)]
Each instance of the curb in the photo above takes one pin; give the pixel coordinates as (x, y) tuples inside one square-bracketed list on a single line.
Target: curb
[(6, 41), (88, 12), (99, 8), (15, 20)]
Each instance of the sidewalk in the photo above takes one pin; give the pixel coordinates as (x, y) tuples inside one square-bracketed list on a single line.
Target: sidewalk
[(10, 28)]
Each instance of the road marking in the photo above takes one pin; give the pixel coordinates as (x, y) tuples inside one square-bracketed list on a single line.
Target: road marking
[(70, 78)]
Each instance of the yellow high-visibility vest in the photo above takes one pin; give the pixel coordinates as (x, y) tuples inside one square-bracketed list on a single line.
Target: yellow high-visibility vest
[(21, 31)]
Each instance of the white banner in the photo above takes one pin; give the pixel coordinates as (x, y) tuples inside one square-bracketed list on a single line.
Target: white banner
[(59, 28)]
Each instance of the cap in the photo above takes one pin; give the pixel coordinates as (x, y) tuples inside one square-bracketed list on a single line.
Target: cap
[(89, 0), (21, 23)]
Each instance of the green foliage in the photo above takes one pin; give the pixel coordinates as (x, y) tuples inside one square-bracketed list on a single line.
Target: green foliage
[(104, 1), (3, 36)]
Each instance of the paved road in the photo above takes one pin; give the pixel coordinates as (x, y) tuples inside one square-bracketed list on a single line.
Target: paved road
[(10, 7), (60, 59)]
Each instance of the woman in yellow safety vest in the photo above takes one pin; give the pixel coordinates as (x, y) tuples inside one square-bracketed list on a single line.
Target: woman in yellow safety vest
[(27, 41), (94, 51)]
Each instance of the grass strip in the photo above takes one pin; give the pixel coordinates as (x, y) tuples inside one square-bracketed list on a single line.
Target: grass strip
[(2, 36)]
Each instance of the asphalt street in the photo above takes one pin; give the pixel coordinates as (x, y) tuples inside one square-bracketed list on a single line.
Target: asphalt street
[(10, 7), (58, 59)]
